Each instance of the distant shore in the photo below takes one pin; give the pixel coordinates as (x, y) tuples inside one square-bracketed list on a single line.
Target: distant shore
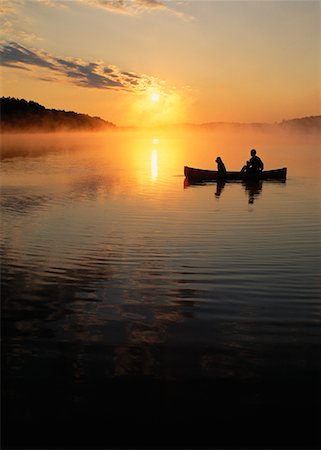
[(19, 115), (22, 116)]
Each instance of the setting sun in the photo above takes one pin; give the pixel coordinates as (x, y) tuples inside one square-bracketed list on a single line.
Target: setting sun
[(155, 97)]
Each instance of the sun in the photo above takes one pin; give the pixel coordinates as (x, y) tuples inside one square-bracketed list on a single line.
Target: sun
[(155, 96), (157, 106)]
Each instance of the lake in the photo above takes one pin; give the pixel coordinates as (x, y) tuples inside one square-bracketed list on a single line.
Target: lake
[(138, 311)]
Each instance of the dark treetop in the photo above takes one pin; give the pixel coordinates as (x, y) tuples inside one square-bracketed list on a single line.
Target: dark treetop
[(23, 115)]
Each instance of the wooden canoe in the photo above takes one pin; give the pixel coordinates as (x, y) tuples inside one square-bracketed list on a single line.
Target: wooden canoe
[(201, 175)]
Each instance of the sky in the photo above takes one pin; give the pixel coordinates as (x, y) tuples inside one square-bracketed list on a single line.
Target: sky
[(149, 62)]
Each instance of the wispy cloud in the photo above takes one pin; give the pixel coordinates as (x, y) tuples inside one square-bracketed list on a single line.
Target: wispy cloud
[(6, 8), (74, 70), (13, 22), (19, 56), (128, 7)]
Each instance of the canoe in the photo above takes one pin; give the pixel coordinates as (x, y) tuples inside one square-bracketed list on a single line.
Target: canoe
[(201, 175)]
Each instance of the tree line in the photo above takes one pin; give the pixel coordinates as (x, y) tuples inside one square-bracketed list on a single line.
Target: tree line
[(23, 115)]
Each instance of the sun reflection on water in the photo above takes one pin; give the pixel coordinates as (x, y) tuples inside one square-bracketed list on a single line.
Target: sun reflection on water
[(154, 165)]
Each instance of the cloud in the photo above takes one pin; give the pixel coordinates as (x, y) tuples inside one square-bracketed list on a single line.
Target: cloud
[(13, 22), (132, 7), (52, 3), (7, 8), (16, 24), (73, 70), (130, 74), (15, 54), (88, 76)]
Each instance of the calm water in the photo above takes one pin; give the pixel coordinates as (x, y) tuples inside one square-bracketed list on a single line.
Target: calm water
[(132, 302)]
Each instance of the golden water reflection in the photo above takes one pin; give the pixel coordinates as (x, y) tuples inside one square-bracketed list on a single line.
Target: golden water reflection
[(128, 163), (154, 165)]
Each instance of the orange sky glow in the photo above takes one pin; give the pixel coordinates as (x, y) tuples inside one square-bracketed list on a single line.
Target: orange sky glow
[(149, 62)]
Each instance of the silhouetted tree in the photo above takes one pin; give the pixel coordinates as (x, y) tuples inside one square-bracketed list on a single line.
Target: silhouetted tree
[(23, 115)]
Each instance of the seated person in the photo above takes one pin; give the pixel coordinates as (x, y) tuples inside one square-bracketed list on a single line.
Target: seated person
[(220, 167), (254, 166)]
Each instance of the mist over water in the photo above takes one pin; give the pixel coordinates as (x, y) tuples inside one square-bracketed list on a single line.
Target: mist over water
[(129, 295)]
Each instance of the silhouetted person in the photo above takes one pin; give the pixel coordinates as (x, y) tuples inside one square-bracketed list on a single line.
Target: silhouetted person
[(220, 167), (253, 167), (256, 164)]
